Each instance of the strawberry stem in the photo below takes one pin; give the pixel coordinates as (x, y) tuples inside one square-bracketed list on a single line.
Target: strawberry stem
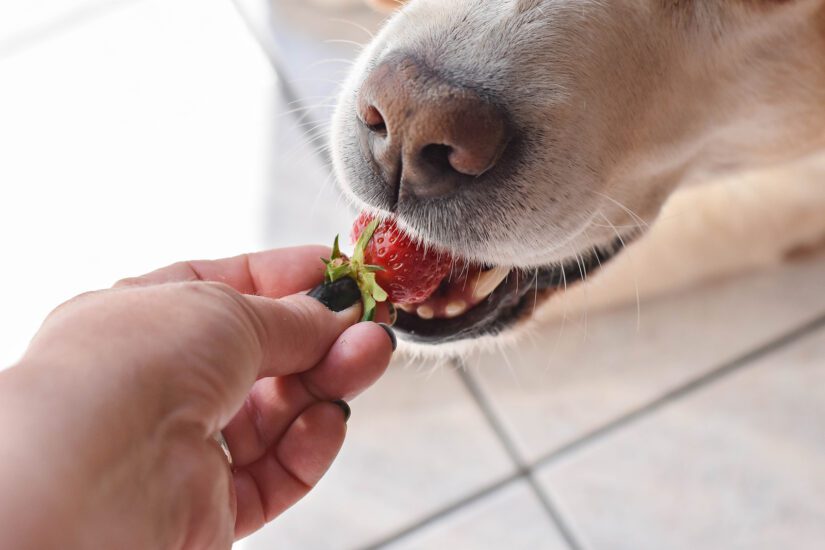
[(339, 266)]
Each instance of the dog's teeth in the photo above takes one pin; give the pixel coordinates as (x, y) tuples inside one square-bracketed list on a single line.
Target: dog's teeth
[(488, 281), (406, 307), (425, 312), (454, 309)]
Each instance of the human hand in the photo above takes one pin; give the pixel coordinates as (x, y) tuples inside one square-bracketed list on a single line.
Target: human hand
[(109, 417)]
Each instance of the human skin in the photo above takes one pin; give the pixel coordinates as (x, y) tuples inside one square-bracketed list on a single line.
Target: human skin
[(108, 419)]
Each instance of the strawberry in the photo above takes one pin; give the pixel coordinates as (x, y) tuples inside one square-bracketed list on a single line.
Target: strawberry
[(410, 273), (386, 258)]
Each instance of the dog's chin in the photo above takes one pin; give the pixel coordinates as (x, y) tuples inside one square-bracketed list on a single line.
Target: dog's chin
[(511, 302)]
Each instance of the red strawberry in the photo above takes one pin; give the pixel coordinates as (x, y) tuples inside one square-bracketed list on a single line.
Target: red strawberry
[(410, 274)]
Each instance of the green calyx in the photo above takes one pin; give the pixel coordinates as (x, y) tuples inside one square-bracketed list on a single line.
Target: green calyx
[(339, 266)]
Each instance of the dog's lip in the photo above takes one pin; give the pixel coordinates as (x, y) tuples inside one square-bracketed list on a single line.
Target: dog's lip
[(513, 300)]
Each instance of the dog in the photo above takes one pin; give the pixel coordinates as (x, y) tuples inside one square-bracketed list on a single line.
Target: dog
[(544, 142)]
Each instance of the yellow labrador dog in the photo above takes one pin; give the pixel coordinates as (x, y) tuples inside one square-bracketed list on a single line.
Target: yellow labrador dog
[(535, 140)]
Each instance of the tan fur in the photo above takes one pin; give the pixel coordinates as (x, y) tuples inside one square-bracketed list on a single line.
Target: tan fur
[(706, 232)]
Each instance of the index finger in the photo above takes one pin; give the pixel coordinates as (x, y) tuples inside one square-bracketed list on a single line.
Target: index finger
[(274, 273)]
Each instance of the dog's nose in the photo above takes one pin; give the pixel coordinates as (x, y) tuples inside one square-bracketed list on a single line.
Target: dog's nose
[(426, 135)]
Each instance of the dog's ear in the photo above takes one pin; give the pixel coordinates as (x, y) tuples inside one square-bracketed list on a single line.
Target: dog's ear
[(386, 5)]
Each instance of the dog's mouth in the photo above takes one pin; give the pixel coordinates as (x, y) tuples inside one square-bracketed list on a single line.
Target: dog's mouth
[(477, 300)]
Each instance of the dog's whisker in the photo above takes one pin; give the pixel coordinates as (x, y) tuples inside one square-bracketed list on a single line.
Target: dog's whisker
[(315, 135), (583, 286), (294, 107), (323, 188), (313, 125), (635, 276), (627, 210), (303, 109), (358, 45), (343, 61), (620, 226), (337, 81), (358, 26), (503, 353)]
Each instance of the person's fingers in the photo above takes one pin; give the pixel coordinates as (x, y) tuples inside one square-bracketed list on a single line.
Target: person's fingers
[(274, 273), (290, 468), (355, 362), (291, 335), (357, 359)]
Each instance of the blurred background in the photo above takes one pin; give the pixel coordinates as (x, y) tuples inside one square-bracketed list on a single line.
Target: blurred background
[(135, 133)]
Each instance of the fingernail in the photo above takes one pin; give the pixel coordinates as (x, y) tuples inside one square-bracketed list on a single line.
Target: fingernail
[(391, 334), (393, 313), (341, 404), (337, 296)]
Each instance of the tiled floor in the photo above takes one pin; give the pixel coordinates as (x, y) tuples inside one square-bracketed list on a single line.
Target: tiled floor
[(696, 425)]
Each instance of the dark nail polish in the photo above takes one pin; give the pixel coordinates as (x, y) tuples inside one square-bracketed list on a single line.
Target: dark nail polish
[(391, 333), (341, 404), (337, 296), (393, 313)]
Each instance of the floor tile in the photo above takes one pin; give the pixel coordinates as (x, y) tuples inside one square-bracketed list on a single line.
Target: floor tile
[(738, 465), (317, 47), (511, 517), (134, 141), (416, 443), (571, 379), (302, 203)]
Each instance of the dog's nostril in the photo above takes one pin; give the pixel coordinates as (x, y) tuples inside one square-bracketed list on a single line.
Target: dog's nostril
[(426, 136), (438, 157), (374, 120)]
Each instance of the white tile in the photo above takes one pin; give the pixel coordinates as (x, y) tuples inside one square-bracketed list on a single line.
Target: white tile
[(416, 442), (570, 379), (512, 517), (738, 465), (134, 141)]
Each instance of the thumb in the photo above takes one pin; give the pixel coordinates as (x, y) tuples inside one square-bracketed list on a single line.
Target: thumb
[(288, 335)]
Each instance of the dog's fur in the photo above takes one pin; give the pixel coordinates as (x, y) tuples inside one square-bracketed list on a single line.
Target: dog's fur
[(618, 103)]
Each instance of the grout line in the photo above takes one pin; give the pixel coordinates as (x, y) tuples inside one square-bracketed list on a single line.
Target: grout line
[(625, 420), (314, 135), (689, 388), (509, 445), (59, 25), (446, 510)]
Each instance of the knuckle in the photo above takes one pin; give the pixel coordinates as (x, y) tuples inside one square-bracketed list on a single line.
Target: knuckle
[(230, 313), (72, 303), (305, 318)]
